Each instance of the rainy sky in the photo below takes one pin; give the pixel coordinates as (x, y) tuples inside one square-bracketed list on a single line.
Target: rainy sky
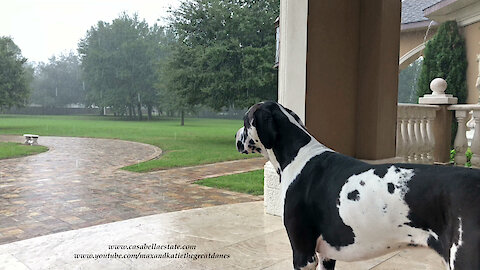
[(42, 28)]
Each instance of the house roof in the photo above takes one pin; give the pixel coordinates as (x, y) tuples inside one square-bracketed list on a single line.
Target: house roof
[(412, 10)]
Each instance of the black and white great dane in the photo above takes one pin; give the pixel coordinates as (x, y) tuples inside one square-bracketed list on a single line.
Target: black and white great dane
[(339, 208)]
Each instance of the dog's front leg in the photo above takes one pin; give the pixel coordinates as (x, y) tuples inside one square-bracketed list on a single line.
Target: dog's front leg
[(303, 243), (302, 238)]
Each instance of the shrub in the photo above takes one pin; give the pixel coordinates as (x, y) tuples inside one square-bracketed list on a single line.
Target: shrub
[(445, 57)]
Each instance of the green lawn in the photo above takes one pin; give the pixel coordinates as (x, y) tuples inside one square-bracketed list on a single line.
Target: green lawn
[(249, 182), (13, 150), (200, 141)]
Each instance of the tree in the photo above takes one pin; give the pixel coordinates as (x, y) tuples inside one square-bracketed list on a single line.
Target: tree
[(231, 49), (408, 82), (119, 61), (445, 57), (58, 82), (14, 75), (183, 81)]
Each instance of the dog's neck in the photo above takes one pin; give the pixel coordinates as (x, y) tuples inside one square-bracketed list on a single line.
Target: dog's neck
[(285, 151), (291, 142)]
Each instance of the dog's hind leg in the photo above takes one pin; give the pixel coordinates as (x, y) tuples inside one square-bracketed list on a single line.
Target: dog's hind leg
[(465, 251), (459, 246), (327, 264)]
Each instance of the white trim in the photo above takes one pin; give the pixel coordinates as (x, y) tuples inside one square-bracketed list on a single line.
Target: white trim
[(292, 71), (410, 56), (466, 15), (470, 20)]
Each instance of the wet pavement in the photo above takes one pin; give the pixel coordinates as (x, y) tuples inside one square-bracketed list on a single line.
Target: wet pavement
[(231, 236), (78, 183)]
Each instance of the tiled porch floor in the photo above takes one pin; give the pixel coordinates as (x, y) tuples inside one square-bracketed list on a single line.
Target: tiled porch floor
[(252, 239), (78, 183)]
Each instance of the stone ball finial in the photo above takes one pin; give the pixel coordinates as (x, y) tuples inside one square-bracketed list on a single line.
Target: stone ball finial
[(438, 86)]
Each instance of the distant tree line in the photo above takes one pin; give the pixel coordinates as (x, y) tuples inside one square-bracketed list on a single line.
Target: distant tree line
[(59, 82), (212, 53)]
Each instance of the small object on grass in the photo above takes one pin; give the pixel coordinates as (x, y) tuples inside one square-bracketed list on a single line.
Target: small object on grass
[(31, 139)]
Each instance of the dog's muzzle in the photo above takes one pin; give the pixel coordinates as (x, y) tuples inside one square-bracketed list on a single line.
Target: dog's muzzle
[(240, 138)]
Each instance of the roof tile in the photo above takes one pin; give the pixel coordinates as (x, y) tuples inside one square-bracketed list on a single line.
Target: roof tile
[(412, 10)]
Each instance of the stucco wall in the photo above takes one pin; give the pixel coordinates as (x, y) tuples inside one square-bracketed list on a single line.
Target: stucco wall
[(472, 39), (410, 40), (352, 75), (471, 33), (332, 73)]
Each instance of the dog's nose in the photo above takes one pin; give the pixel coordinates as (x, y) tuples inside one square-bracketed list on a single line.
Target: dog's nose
[(239, 139)]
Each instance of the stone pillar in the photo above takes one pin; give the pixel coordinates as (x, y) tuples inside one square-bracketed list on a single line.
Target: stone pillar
[(293, 55), (442, 128), (352, 75), (272, 191)]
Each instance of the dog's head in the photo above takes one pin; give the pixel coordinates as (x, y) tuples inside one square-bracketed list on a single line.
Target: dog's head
[(262, 122)]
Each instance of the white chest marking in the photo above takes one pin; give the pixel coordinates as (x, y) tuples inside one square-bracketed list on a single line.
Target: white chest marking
[(292, 170)]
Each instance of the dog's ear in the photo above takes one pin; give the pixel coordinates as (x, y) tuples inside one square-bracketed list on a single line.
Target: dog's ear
[(265, 125)]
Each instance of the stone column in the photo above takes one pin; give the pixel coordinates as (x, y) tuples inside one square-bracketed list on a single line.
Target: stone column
[(272, 191), (442, 129), (352, 75)]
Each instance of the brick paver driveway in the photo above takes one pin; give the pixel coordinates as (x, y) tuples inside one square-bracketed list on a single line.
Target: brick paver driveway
[(78, 183)]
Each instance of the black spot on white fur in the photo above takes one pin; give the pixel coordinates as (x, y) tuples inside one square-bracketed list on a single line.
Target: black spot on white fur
[(391, 188), (354, 195)]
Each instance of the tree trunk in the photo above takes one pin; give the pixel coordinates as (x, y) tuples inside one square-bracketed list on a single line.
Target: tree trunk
[(130, 111), (182, 121), (149, 110), (139, 107)]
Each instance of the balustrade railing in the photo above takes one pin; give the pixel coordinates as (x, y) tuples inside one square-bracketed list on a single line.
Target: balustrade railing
[(415, 137), (462, 114)]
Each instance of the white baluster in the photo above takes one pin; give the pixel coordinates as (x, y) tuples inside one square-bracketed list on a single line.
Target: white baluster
[(411, 138), (460, 143), (399, 142), (423, 131), (405, 139), (418, 137), (476, 140), (431, 138)]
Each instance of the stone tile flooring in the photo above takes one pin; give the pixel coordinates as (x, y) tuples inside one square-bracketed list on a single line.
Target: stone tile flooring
[(77, 184), (251, 239)]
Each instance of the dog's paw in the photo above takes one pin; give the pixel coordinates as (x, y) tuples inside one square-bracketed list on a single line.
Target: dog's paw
[(311, 264)]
